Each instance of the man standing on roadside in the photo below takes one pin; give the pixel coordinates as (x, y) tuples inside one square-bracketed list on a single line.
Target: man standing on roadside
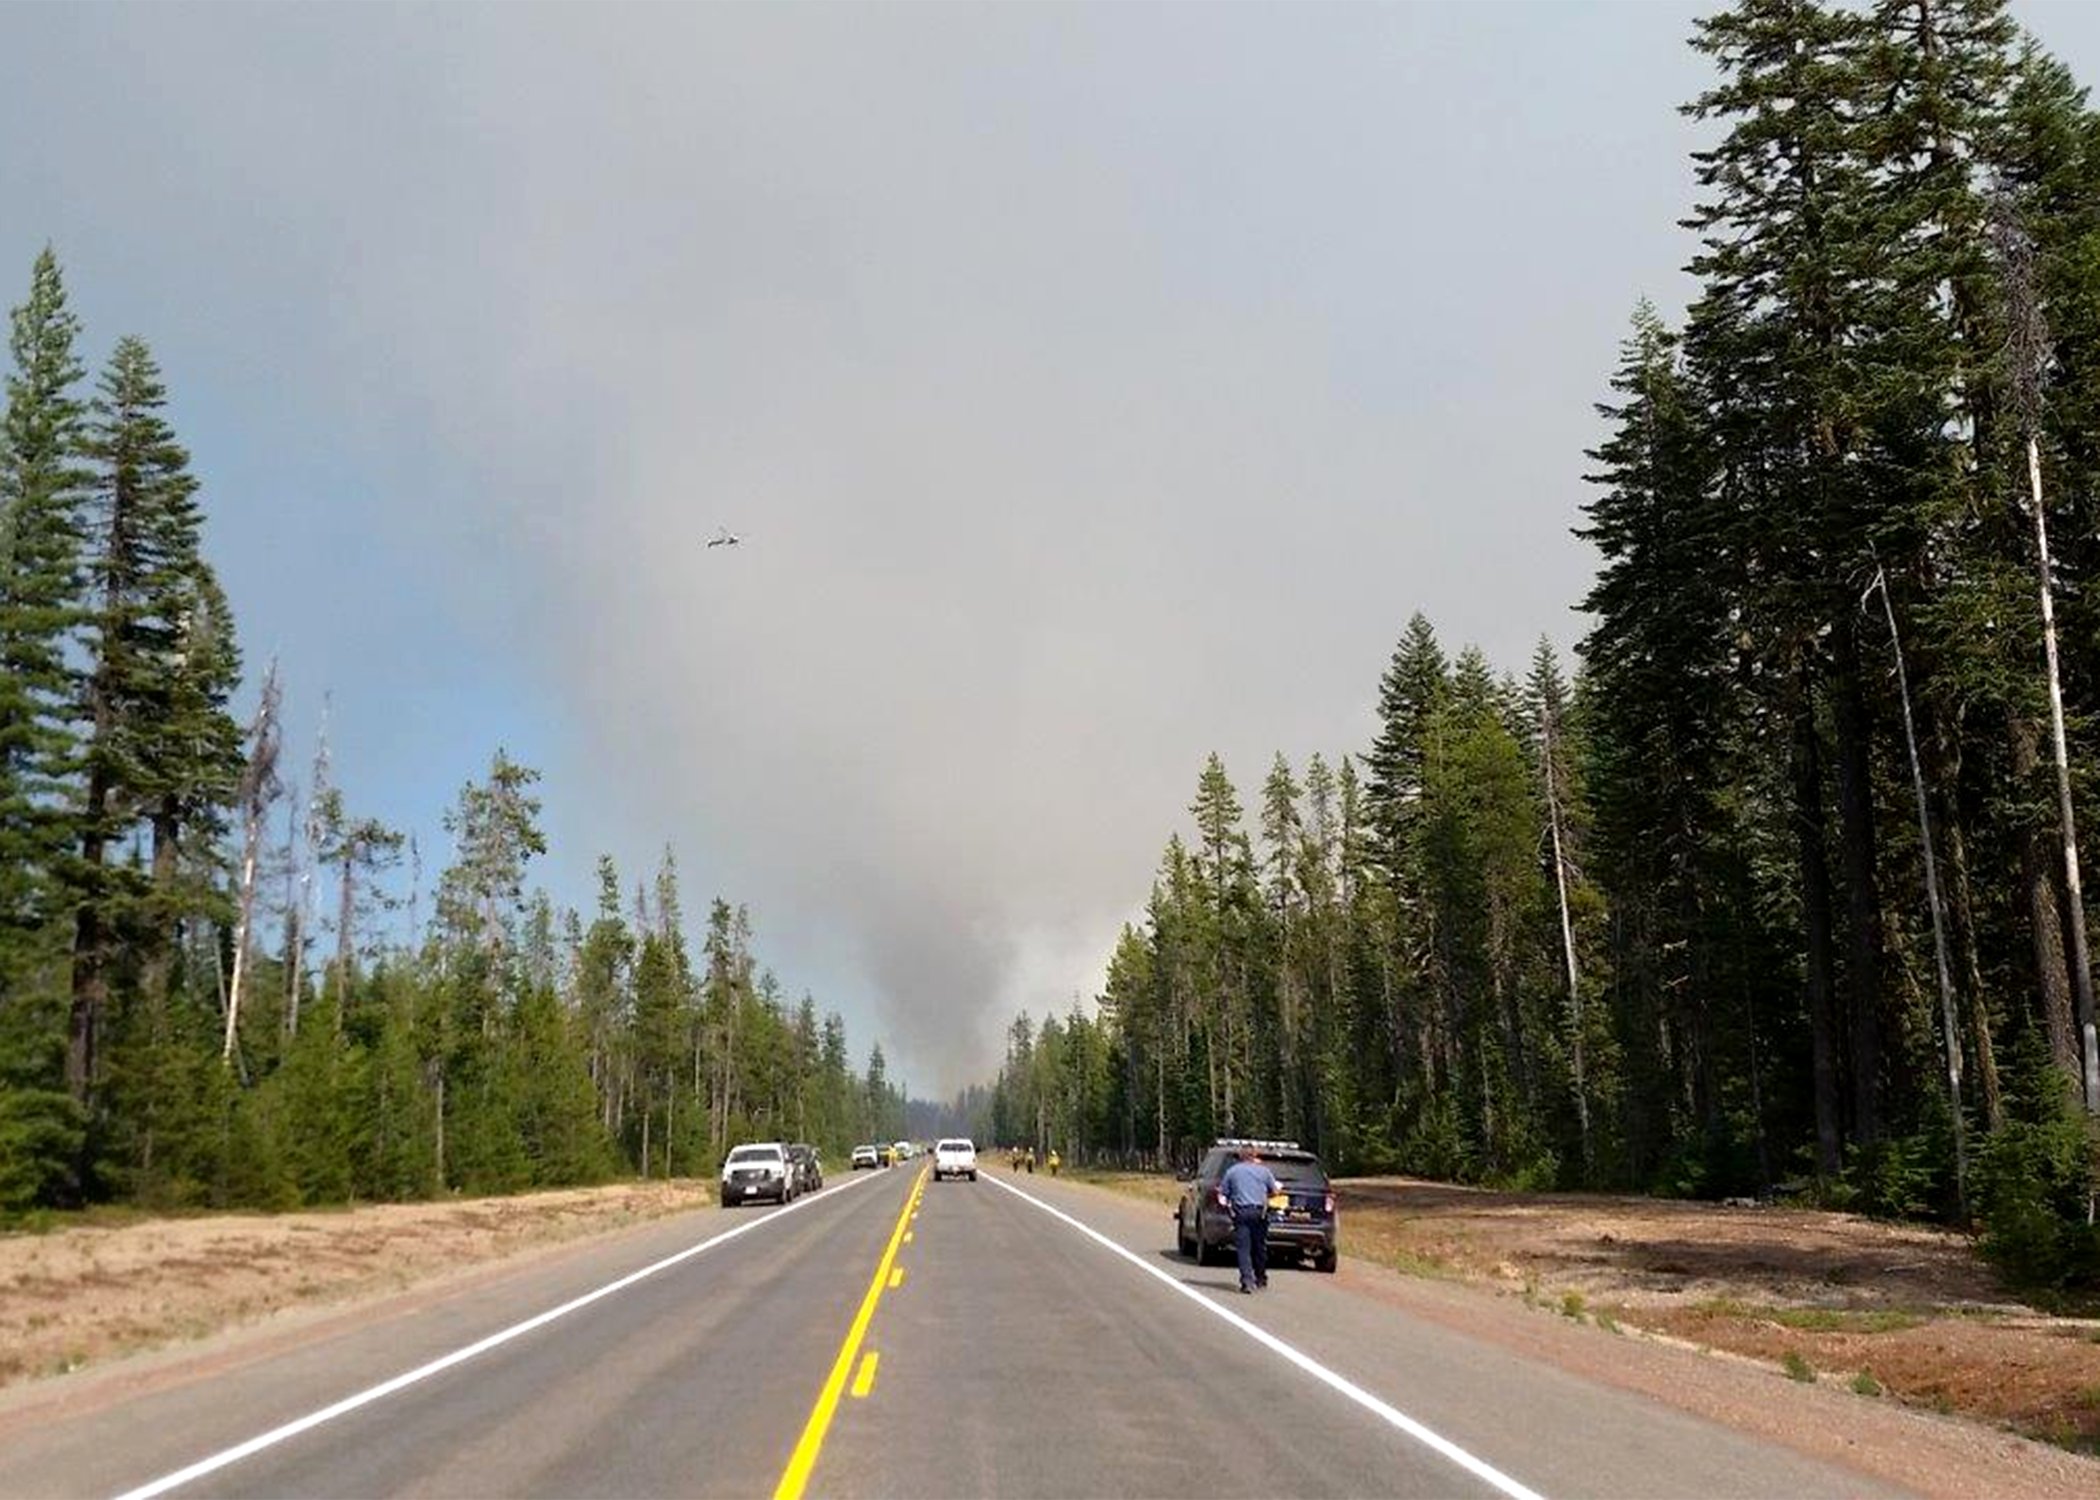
[(1245, 1190)]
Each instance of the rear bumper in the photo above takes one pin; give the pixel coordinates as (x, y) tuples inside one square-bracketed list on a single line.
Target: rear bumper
[(754, 1192), (1307, 1239), (1314, 1237), (955, 1169)]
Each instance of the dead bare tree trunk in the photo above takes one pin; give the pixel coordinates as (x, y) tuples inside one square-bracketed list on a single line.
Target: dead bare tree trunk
[(345, 927), (1549, 774), (2067, 818), (2028, 340), (295, 925), (1950, 1032), (259, 788)]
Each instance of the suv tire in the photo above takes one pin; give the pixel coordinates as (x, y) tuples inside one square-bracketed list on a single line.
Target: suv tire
[(1181, 1237), (1202, 1250)]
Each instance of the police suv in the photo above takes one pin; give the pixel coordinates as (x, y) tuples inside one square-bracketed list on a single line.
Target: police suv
[(1302, 1218)]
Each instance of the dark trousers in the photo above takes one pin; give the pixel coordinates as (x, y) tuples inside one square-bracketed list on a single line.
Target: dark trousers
[(1250, 1237)]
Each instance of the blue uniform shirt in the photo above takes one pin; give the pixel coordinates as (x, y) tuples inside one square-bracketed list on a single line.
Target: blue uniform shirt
[(1248, 1184)]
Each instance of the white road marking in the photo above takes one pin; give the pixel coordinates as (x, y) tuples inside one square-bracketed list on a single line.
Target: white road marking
[(1392, 1415), (403, 1381)]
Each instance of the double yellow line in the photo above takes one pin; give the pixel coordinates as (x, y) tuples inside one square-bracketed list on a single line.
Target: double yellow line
[(796, 1479)]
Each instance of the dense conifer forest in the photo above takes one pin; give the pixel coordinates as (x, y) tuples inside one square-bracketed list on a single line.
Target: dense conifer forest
[(1779, 890), (225, 983)]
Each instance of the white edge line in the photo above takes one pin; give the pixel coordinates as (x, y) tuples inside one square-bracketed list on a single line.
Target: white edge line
[(385, 1388), (1392, 1415)]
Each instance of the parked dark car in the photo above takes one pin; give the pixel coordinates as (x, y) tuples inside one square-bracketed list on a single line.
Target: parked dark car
[(808, 1169), (1304, 1224)]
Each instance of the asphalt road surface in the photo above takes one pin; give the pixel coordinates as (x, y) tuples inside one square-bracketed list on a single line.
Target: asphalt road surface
[(893, 1336)]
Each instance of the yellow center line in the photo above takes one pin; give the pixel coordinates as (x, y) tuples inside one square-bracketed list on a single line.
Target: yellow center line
[(796, 1479), (864, 1382), (896, 1278)]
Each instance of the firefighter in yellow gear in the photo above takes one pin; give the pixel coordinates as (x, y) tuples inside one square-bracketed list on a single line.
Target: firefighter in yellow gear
[(1053, 1162)]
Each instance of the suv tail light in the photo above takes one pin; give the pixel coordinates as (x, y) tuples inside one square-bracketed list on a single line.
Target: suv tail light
[(1330, 1202)]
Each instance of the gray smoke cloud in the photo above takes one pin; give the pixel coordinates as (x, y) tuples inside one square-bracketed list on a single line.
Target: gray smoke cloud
[(1096, 387)]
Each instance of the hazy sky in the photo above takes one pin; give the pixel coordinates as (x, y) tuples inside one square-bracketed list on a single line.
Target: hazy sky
[(1098, 386)]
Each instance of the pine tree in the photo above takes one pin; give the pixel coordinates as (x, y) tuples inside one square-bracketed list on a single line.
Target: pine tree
[(1411, 692), (43, 486), (143, 572)]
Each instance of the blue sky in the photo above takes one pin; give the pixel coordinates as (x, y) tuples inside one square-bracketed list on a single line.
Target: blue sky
[(1098, 387)]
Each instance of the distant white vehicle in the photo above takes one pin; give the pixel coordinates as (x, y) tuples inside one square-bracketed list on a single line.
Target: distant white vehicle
[(753, 1173), (955, 1157), (905, 1150), (866, 1156)]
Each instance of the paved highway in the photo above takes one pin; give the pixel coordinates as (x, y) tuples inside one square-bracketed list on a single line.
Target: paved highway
[(894, 1337)]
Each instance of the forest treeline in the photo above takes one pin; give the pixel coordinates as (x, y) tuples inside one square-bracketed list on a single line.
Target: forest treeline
[(218, 986), (1783, 889)]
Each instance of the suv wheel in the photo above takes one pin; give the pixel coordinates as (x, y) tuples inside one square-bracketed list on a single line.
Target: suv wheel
[(1182, 1242), (1202, 1250)]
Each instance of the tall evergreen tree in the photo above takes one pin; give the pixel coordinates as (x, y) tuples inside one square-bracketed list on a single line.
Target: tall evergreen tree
[(43, 487)]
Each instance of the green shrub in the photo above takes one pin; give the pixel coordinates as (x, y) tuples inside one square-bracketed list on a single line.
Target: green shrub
[(1895, 1178), (41, 1136), (2034, 1181)]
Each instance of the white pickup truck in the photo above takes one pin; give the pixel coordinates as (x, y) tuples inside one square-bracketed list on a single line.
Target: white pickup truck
[(955, 1157)]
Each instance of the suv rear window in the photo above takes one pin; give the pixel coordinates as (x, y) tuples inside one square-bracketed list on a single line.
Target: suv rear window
[(955, 1146), (755, 1153), (1300, 1170)]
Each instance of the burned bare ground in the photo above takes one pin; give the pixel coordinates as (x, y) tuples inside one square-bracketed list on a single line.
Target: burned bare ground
[(1901, 1311), (87, 1292)]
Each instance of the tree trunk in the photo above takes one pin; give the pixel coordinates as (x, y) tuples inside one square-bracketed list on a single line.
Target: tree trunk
[(2052, 978), (345, 926), (2067, 820), (1855, 799), (1807, 773), (241, 943), (90, 996), (1942, 750), (1950, 1033), (162, 926), (1567, 932)]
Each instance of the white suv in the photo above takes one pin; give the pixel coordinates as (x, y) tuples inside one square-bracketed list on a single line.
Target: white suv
[(759, 1171), (955, 1158)]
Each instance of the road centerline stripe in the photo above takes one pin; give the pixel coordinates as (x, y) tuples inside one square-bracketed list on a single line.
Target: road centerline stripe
[(811, 1443), (1436, 1442), (422, 1372), (864, 1382)]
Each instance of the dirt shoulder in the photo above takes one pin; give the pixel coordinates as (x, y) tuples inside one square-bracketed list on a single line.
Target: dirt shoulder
[(89, 1293), (1894, 1311)]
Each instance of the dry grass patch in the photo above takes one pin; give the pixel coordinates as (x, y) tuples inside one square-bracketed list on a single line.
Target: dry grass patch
[(107, 1285)]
